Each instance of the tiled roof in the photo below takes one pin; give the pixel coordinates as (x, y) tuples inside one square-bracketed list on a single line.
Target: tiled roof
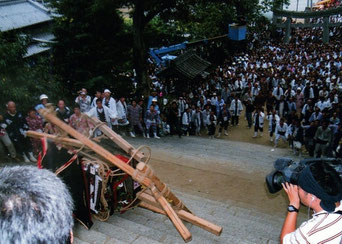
[(190, 65), (21, 13)]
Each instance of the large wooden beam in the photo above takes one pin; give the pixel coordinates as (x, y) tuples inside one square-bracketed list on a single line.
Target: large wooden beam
[(149, 202), (183, 231)]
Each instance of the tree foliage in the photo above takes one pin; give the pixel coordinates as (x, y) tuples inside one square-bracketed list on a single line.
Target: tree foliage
[(92, 43), (23, 80)]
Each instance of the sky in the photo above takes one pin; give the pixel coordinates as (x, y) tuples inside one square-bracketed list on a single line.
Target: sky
[(293, 5), (301, 4)]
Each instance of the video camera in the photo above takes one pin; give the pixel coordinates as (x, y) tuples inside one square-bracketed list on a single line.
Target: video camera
[(287, 170)]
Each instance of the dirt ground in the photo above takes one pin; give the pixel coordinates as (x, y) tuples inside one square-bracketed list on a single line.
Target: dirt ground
[(243, 134), (229, 171)]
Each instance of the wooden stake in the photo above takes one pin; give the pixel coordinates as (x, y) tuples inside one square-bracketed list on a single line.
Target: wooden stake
[(177, 222)]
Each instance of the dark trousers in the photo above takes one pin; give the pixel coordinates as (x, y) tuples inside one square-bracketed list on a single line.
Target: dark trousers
[(249, 119), (175, 128), (235, 120), (211, 129), (223, 125), (258, 128), (22, 144)]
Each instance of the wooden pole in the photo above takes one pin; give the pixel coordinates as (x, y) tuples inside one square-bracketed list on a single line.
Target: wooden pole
[(177, 222), (160, 185), (183, 231), (62, 140), (117, 139), (149, 202)]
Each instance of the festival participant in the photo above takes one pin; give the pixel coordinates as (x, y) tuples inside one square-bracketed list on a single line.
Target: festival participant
[(4, 138), (235, 110), (273, 120), (16, 128), (223, 119), (44, 100), (280, 132), (212, 124), (319, 188), (323, 138), (198, 121), (36, 207), (63, 112), (186, 122), (152, 121), (83, 100), (81, 122), (258, 119), (173, 119), (135, 118), (98, 95), (101, 112), (35, 123), (278, 92)]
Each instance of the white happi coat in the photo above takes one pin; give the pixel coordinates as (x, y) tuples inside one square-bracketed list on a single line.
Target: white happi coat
[(236, 111), (122, 112)]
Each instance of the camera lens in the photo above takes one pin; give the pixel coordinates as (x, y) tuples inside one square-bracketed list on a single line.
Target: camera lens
[(274, 180)]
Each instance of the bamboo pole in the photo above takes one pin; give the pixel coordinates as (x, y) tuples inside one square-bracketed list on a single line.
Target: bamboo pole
[(150, 203), (182, 230)]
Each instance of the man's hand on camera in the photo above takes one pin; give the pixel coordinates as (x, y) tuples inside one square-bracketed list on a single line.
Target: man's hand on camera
[(292, 193)]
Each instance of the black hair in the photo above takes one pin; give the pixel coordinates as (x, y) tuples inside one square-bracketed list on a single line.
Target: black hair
[(76, 105), (31, 109), (327, 177), (98, 100)]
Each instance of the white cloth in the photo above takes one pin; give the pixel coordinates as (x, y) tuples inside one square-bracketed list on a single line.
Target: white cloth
[(270, 121), (121, 109), (261, 119), (109, 114), (205, 115), (186, 119), (84, 103), (321, 228), (278, 94), (236, 110), (111, 104), (280, 131)]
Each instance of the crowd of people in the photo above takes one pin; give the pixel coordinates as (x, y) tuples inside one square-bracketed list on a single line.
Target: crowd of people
[(295, 88)]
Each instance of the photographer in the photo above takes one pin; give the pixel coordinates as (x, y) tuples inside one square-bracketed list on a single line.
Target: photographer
[(319, 188)]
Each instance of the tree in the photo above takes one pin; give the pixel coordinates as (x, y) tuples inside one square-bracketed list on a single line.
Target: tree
[(200, 18), (92, 43), (23, 80)]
